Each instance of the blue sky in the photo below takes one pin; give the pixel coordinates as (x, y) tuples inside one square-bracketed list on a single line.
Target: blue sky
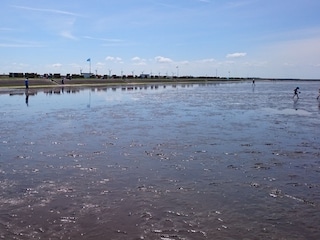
[(243, 38)]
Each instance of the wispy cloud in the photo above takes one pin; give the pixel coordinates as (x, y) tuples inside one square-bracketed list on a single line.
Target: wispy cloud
[(104, 39), (68, 34), (55, 11), (10, 45), (56, 65), (6, 29), (100, 64), (17, 44), (208, 60), (236, 55), (236, 4)]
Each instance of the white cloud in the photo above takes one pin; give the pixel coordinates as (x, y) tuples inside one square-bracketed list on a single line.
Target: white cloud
[(208, 60), (114, 59), (236, 55), (109, 58), (160, 59), (138, 61), (184, 62), (135, 59), (56, 65)]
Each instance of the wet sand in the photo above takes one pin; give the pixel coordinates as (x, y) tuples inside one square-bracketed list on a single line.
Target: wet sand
[(16, 85), (182, 161)]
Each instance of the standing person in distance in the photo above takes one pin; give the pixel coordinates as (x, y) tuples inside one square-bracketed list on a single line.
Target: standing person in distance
[(26, 83)]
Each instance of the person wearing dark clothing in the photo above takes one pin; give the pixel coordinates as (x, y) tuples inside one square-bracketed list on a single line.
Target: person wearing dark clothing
[(296, 92), (26, 83)]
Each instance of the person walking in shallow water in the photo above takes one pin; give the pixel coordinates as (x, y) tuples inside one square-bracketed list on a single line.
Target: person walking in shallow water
[(26, 83), (296, 92), (319, 94)]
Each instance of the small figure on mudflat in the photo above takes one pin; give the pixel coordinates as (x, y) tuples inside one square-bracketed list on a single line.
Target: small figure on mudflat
[(296, 92)]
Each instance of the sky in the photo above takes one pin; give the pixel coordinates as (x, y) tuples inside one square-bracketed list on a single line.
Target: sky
[(222, 38)]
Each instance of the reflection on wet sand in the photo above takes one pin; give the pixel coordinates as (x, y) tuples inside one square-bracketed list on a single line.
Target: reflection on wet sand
[(61, 90), (295, 103), (167, 162), (27, 97)]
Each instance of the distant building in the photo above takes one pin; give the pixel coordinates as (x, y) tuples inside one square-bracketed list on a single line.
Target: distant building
[(31, 75), (86, 75), (144, 75), (76, 76), (56, 75), (18, 75)]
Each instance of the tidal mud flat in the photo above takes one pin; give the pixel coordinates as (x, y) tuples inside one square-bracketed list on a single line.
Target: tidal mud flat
[(185, 161)]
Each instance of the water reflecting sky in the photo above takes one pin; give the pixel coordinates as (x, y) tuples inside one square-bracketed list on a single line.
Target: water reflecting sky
[(193, 161)]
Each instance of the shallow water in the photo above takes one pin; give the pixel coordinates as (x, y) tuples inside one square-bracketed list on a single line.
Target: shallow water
[(197, 161)]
